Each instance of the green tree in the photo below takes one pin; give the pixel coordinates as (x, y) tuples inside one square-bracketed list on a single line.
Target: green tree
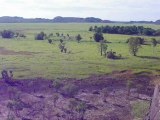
[(103, 47), (134, 45), (154, 44), (78, 38), (91, 28), (98, 37)]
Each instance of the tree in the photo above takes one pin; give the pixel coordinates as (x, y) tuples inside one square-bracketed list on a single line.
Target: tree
[(91, 28), (134, 45), (78, 38), (141, 40), (103, 47), (98, 37), (154, 43)]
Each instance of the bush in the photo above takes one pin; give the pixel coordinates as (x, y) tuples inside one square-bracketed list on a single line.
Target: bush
[(57, 84), (49, 41), (69, 90), (7, 34), (22, 35), (40, 36), (112, 55)]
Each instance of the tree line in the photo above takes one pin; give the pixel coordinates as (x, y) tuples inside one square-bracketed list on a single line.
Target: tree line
[(127, 30)]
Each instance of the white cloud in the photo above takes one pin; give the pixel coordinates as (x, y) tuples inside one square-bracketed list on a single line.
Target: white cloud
[(106, 9)]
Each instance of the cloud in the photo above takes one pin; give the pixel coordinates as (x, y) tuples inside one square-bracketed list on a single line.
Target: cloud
[(105, 9)]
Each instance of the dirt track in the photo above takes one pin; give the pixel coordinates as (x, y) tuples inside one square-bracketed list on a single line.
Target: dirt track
[(34, 99)]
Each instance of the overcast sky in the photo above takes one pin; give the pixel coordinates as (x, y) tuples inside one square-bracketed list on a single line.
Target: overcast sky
[(119, 10)]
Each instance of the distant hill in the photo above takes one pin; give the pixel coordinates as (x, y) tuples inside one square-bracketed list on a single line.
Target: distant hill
[(59, 19), (157, 22), (7, 19)]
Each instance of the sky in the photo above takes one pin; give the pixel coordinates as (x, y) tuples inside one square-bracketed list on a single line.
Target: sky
[(117, 10)]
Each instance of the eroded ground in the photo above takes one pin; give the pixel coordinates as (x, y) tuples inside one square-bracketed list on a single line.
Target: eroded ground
[(95, 98)]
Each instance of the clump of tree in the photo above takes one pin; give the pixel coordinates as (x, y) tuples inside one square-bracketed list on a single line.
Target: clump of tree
[(40, 36), (134, 45), (7, 34), (128, 30), (78, 38)]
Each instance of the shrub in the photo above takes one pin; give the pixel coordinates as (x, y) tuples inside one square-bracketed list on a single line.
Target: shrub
[(49, 41), (57, 84), (112, 55), (69, 90), (40, 36), (7, 34), (78, 106), (22, 35)]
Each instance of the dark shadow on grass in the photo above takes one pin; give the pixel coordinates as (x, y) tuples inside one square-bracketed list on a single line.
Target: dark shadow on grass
[(118, 58), (149, 57)]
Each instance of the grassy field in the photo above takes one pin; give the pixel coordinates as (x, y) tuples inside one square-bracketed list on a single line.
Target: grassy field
[(29, 58)]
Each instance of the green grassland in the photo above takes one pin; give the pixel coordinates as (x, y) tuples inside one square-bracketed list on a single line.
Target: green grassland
[(45, 60)]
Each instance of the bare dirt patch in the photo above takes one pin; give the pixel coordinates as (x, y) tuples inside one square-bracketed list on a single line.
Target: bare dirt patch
[(4, 51), (105, 97)]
